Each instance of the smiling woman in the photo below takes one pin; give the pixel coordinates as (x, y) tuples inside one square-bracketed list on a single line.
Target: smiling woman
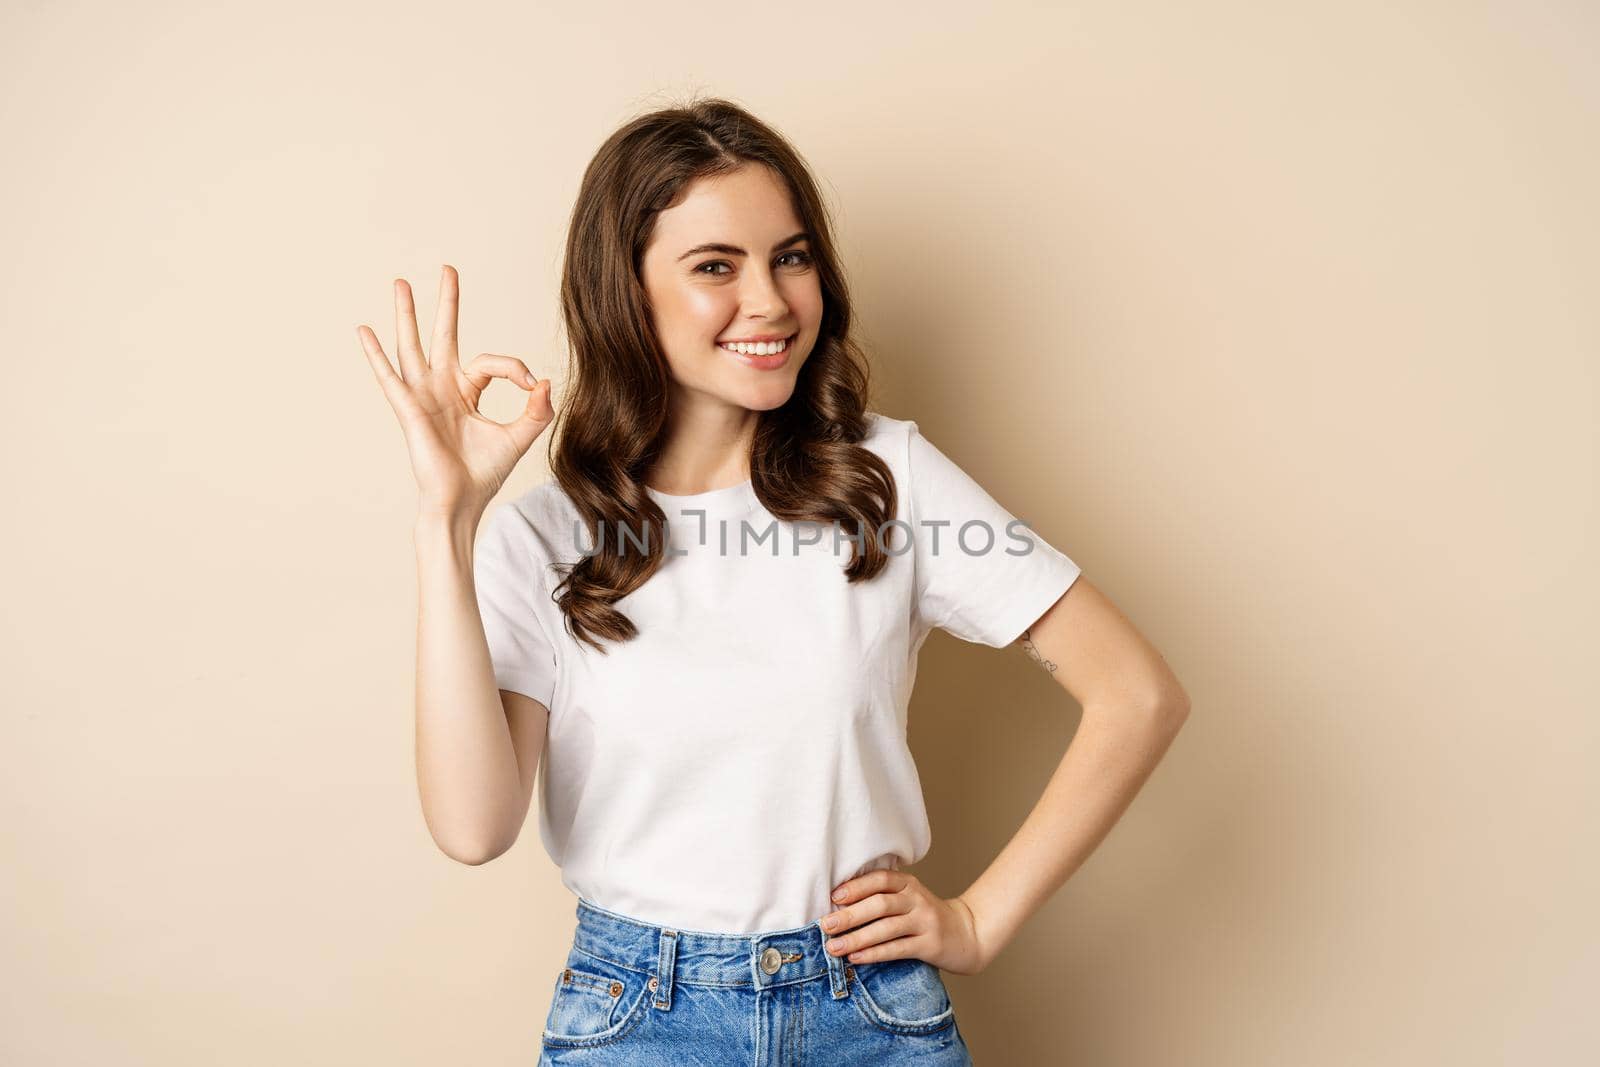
[(717, 734), (763, 308)]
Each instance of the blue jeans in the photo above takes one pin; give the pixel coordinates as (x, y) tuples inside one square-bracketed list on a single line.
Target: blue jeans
[(633, 993)]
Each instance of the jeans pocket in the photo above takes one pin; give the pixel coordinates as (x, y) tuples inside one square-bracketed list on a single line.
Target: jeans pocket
[(595, 1002), (902, 996)]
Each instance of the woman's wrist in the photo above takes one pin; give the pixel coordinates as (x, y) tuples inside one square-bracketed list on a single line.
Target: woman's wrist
[(451, 526), (987, 948)]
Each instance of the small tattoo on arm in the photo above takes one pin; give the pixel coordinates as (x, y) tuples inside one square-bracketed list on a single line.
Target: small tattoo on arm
[(1028, 646)]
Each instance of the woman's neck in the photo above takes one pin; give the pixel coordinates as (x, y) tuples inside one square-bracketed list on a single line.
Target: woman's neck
[(707, 448)]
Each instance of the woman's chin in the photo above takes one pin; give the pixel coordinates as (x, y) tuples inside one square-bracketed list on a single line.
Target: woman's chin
[(766, 396)]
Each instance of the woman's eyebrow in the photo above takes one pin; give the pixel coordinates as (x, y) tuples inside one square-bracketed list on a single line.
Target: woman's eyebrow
[(735, 250)]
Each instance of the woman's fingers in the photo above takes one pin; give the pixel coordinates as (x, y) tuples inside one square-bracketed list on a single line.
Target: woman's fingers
[(442, 352), (536, 414), (394, 390), (487, 366), (413, 364)]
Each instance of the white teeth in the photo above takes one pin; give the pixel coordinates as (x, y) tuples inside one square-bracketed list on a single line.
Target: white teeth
[(763, 348)]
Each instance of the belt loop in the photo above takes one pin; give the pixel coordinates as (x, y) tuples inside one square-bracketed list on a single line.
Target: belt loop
[(665, 960), (836, 975)]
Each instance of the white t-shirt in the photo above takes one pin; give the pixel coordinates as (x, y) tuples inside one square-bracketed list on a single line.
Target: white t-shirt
[(746, 752)]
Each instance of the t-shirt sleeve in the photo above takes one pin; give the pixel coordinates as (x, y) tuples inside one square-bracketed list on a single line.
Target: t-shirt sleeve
[(507, 580), (982, 575)]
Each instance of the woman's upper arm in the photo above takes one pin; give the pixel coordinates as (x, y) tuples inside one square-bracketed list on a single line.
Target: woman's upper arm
[(1096, 654), (527, 720)]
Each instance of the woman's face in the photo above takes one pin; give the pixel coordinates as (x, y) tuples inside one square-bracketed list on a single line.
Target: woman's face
[(758, 283)]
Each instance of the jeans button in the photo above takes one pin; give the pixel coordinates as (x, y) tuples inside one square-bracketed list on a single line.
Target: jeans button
[(771, 960)]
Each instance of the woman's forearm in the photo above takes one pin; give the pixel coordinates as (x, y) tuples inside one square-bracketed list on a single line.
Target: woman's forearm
[(1108, 761), (466, 764)]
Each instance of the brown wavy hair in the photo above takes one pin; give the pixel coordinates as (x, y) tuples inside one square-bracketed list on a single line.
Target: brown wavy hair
[(806, 461)]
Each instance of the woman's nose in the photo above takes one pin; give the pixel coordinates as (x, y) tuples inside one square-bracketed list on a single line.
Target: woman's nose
[(762, 297)]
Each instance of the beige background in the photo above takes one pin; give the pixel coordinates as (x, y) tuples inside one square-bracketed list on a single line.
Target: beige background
[(1279, 319)]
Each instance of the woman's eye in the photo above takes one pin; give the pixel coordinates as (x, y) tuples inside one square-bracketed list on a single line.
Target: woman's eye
[(804, 260)]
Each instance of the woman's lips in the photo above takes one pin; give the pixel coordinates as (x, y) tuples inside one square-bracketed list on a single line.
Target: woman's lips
[(772, 362)]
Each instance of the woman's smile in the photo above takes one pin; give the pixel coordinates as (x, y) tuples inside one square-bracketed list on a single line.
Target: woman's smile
[(765, 355)]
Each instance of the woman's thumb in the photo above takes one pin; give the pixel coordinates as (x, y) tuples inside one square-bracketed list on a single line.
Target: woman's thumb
[(536, 413)]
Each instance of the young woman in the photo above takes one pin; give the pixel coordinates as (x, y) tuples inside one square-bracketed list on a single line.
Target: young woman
[(707, 625)]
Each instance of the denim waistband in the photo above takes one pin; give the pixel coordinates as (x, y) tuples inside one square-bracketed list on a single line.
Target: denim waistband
[(696, 957)]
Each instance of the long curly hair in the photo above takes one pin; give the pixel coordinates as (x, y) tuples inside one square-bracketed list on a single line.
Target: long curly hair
[(806, 461)]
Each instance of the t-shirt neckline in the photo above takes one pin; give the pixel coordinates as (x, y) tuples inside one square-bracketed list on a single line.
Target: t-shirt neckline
[(729, 500)]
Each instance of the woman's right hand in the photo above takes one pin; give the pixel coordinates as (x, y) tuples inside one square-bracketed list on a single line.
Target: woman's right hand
[(460, 458)]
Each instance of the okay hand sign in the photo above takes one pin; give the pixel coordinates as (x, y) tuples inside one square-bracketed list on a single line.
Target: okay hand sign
[(460, 458)]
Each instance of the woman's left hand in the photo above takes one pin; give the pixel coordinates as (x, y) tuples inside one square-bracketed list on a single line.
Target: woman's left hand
[(890, 914)]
